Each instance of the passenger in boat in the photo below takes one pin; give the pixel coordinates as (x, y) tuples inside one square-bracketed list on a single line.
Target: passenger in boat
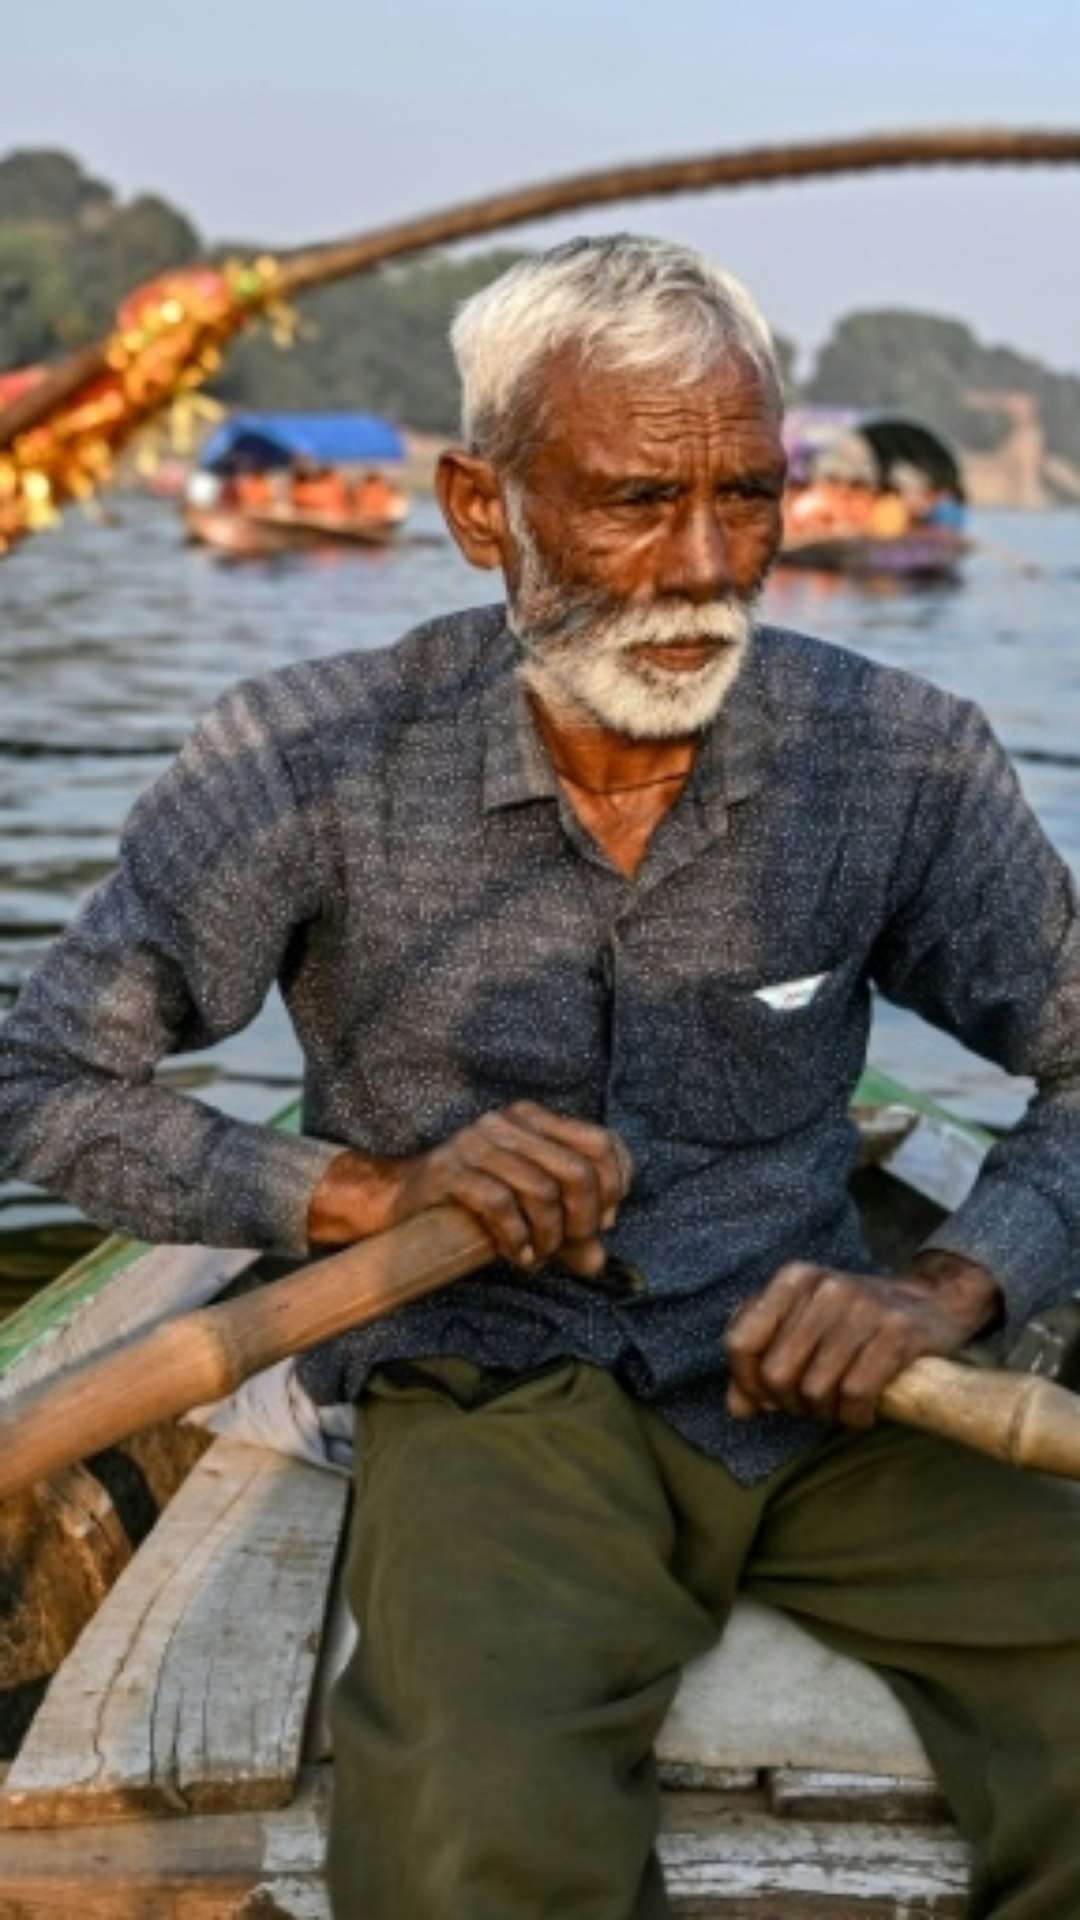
[(614, 857), (320, 491), (811, 510), (374, 497), (829, 509), (890, 516), (254, 492), (944, 510)]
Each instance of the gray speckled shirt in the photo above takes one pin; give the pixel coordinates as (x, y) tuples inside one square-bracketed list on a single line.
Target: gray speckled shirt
[(383, 835)]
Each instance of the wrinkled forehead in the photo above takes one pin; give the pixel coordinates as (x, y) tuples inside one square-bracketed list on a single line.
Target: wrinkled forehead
[(621, 418)]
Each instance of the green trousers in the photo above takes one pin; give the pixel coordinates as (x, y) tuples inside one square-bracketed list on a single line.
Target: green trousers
[(533, 1566)]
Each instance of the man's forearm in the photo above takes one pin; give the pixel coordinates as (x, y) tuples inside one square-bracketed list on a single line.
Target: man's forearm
[(355, 1197), (152, 1162), (960, 1288)]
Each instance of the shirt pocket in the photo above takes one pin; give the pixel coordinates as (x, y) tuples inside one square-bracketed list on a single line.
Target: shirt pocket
[(750, 1071)]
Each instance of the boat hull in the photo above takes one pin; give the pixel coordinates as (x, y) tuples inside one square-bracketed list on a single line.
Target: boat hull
[(925, 554), (246, 535)]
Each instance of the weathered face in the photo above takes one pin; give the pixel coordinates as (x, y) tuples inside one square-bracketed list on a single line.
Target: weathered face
[(651, 492), (637, 540)]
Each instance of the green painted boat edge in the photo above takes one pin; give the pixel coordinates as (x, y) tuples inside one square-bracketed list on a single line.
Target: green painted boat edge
[(876, 1089), (84, 1281), (89, 1276)]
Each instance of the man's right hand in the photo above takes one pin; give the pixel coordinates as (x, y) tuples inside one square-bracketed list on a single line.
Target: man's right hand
[(541, 1184)]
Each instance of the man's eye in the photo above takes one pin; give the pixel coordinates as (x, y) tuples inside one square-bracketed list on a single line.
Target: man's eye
[(651, 497), (750, 490)]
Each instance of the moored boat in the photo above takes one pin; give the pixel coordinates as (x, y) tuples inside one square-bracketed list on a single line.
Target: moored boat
[(275, 483), (249, 534), (793, 1783), (926, 553), (871, 495)]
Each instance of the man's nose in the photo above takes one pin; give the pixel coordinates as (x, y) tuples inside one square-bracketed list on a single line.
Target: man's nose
[(694, 562)]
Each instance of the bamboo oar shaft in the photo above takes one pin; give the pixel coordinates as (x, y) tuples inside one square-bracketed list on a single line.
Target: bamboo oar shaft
[(1019, 1418), (204, 1355)]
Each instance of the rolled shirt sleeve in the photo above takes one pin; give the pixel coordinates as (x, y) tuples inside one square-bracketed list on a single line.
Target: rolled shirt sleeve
[(985, 942), (218, 871)]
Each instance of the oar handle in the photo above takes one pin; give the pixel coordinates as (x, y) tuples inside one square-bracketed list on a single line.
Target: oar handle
[(202, 1356), (1020, 1418)]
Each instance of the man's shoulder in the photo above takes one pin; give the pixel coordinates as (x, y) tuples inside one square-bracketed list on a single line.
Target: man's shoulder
[(371, 694), (814, 681)]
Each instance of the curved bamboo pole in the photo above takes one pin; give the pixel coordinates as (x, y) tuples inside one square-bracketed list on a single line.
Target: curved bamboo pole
[(751, 166), (697, 173)]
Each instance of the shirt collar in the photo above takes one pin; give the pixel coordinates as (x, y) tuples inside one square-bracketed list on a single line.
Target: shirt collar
[(516, 765), (736, 750), (732, 761)]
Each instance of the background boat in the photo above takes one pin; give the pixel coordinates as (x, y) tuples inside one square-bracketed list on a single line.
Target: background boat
[(268, 483), (871, 493)]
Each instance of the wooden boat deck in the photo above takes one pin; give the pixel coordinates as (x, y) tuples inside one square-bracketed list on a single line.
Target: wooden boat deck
[(725, 1853)]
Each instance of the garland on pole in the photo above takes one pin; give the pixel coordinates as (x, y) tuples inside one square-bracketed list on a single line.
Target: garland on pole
[(59, 438), (168, 339)]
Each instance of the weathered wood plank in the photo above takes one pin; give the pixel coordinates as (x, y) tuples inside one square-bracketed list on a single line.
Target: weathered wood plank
[(238, 1866), (754, 1866), (61, 1548), (725, 1785), (250, 1866), (189, 1688), (806, 1793)]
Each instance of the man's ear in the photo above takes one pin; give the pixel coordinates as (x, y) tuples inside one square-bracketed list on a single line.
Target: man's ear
[(468, 494)]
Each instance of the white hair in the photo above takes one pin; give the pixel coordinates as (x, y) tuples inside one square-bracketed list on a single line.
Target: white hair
[(624, 302)]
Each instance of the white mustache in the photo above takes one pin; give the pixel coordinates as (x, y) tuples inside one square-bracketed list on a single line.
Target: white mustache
[(620, 629), (723, 623)]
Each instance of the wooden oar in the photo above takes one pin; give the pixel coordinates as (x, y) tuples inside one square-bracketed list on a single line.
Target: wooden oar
[(200, 1357)]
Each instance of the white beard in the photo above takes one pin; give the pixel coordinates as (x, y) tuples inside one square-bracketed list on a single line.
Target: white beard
[(580, 656)]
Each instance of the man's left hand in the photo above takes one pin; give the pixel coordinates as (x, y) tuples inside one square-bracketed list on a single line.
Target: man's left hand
[(825, 1343)]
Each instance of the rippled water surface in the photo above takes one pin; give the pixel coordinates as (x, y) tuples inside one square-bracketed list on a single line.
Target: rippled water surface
[(116, 638)]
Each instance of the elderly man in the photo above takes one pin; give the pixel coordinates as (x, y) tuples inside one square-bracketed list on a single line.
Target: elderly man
[(611, 857)]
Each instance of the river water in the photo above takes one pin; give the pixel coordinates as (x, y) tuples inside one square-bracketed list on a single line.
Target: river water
[(116, 638)]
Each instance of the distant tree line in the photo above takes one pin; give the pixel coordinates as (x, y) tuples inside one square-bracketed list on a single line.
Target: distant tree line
[(70, 251)]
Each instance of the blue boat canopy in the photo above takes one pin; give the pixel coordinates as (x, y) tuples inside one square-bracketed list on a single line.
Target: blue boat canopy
[(255, 442)]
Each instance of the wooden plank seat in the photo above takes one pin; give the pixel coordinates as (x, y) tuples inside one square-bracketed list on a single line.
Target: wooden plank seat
[(63, 1542), (727, 1856), (769, 1696)]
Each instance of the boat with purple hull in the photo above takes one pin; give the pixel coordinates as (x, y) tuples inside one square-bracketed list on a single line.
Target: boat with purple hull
[(873, 495)]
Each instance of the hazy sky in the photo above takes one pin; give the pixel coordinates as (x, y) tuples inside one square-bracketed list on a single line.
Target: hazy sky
[(301, 121)]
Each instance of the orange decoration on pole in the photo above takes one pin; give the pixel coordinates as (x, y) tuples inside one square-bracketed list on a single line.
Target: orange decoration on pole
[(58, 439), (167, 341)]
